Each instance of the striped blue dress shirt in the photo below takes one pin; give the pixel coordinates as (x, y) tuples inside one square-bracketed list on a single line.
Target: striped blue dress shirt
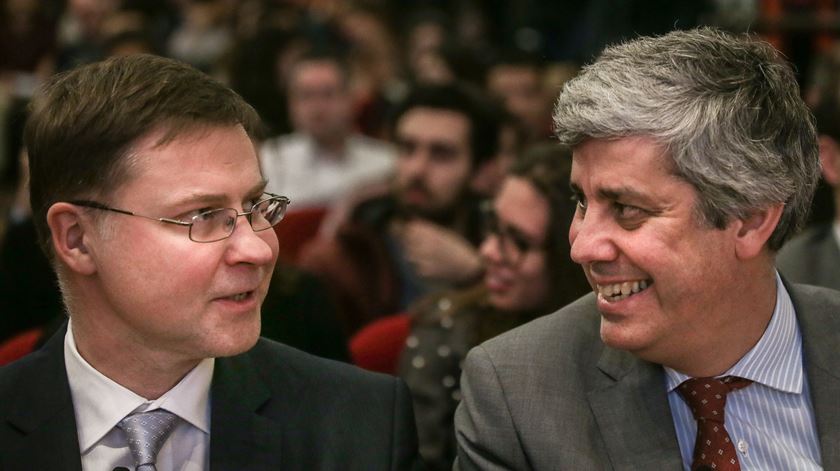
[(771, 422)]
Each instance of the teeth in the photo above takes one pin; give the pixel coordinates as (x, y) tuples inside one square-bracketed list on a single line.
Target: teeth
[(239, 297), (619, 291)]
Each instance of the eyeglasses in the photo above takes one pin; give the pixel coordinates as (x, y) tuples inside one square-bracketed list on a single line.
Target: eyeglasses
[(513, 245), (216, 224)]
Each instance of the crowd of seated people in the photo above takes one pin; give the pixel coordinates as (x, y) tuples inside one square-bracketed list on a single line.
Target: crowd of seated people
[(427, 213)]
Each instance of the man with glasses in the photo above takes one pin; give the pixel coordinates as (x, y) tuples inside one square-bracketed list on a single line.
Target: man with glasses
[(149, 200)]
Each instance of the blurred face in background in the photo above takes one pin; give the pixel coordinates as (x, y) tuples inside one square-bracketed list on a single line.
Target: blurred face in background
[(520, 88), (319, 101), (488, 178), (513, 251), (435, 162)]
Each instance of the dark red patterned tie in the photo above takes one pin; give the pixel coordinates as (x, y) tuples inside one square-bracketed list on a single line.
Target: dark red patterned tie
[(706, 397)]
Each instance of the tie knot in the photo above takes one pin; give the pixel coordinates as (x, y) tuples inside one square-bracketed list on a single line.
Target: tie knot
[(707, 396), (146, 433)]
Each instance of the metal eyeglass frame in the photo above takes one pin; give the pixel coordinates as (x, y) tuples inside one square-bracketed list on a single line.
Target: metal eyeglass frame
[(284, 201), (505, 238)]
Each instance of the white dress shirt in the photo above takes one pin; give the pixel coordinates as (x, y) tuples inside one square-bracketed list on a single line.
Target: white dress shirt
[(100, 403), (296, 167), (771, 422)]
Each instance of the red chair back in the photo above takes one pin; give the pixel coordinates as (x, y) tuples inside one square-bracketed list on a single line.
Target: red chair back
[(378, 345), (296, 229), (18, 346)]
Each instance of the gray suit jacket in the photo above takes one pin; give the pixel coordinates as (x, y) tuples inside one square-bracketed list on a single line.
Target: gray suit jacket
[(813, 258), (551, 396)]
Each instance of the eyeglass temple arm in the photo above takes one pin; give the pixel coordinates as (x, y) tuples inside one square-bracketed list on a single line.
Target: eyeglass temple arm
[(95, 205)]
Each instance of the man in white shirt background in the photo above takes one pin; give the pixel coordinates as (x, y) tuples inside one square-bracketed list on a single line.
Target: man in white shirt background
[(324, 159)]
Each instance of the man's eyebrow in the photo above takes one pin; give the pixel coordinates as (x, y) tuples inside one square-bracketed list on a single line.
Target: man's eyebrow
[(614, 194), (622, 193), (217, 199), (259, 188)]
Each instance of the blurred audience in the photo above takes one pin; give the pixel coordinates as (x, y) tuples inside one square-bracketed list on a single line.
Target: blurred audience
[(29, 295), (422, 234), (324, 160), (813, 257), (27, 56), (488, 177), (518, 80), (528, 274), (203, 37)]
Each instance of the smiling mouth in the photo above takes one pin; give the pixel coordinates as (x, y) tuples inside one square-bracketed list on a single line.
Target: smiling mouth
[(618, 291)]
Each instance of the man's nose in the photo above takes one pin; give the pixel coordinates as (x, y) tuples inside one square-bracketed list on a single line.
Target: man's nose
[(415, 163), (490, 249), (591, 240), (247, 246)]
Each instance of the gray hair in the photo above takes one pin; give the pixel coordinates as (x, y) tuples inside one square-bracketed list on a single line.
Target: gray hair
[(727, 109)]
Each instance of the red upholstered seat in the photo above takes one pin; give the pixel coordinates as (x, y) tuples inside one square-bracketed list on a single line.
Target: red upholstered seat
[(19, 345), (378, 345), (296, 229)]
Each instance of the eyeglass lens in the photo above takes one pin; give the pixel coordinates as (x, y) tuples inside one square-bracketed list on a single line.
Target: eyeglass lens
[(511, 245), (219, 223)]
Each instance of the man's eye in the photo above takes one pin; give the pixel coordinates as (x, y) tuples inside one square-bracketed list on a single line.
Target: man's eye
[(626, 211), (201, 213), (406, 147), (442, 153), (519, 242), (580, 201)]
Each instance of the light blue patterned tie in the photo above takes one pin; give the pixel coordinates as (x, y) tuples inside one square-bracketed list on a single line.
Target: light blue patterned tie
[(146, 433)]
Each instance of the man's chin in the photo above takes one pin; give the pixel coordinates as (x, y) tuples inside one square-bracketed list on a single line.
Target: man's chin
[(236, 345)]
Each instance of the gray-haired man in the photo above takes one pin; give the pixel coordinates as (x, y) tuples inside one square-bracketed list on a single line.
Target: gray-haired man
[(694, 160)]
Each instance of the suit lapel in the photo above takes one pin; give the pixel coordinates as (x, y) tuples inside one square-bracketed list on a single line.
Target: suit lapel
[(43, 413), (240, 438), (819, 322), (631, 408)]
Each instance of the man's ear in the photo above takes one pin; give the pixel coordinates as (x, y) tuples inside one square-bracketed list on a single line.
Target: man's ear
[(830, 160), (68, 228), (755, 230)]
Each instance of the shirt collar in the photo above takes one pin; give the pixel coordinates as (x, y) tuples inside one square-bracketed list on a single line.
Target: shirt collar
[(100, 403), (776, 359)]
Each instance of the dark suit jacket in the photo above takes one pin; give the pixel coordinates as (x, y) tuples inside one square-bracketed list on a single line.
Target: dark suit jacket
[(273, 407), (812, 257), (551, 396)]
